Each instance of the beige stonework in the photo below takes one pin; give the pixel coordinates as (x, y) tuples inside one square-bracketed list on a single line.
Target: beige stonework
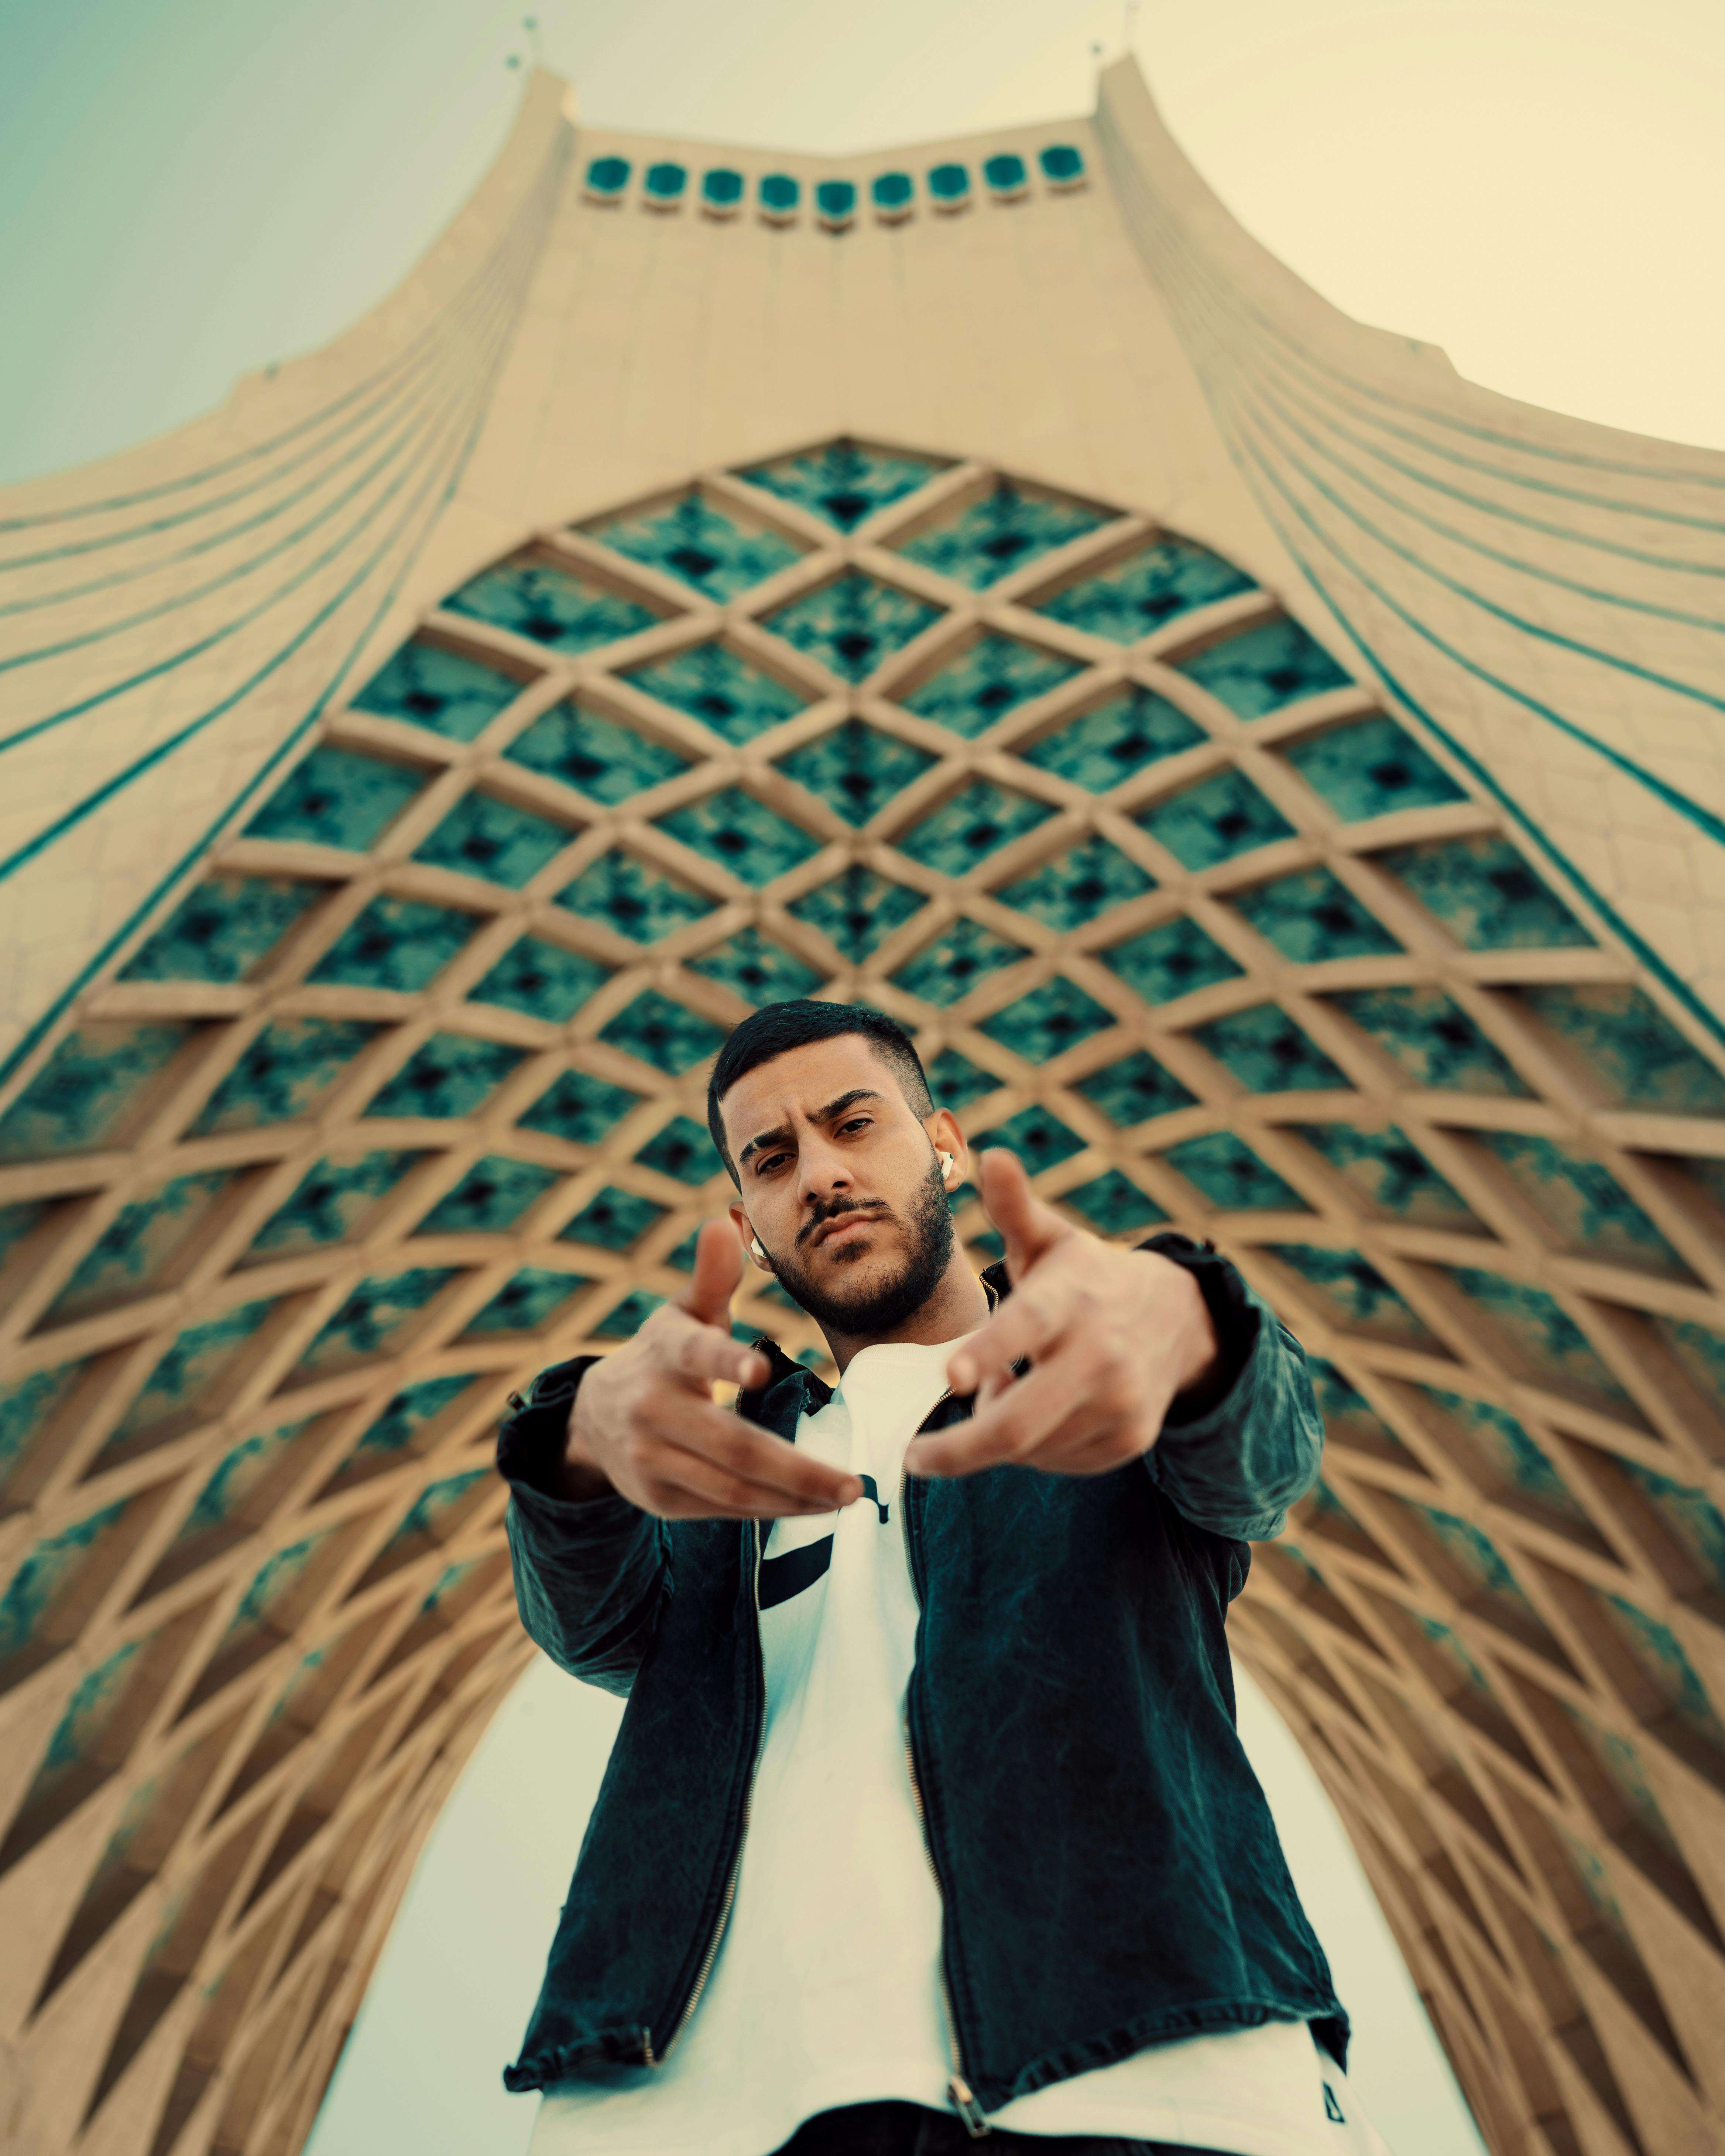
[(1275, 779)]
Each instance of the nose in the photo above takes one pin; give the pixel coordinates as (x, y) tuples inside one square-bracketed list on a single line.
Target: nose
[(823, 1171)]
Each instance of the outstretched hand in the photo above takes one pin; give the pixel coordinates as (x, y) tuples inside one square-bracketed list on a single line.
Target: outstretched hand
[(1112, 1336), (645, 1423)]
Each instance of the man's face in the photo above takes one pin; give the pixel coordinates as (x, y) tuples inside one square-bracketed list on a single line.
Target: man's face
[(841, 1183)]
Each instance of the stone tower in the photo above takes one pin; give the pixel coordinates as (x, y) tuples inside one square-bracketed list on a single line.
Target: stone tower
[(1279, 783)]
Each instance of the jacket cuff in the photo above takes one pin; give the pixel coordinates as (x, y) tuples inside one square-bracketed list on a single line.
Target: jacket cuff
[(1235, 1318), (532, 1438)]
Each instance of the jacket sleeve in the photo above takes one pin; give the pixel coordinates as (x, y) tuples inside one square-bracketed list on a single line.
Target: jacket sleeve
[(591, 1577), (1233, 1464)]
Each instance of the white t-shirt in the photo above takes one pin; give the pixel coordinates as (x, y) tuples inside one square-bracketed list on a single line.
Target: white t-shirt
[(826, 1988)]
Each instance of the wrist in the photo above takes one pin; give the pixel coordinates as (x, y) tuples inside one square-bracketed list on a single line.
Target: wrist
[(580, 1479)]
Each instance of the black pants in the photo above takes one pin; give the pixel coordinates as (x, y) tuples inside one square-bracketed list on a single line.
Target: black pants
[(892, 2127)]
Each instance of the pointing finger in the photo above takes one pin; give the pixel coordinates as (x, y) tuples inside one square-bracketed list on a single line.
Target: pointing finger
[(707, 1356), (1030, 1324), (718, 1268), (1030, 1227)]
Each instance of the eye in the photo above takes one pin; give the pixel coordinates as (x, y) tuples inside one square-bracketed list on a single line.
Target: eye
[(771, 1161), (855, 1123)]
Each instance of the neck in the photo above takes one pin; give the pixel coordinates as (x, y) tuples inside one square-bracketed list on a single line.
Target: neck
[(959, 1305)]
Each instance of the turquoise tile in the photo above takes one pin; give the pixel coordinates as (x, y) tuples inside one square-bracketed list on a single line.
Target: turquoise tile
[(490, 1198), (1225, 1170), (1390, 1173), (273, 1583), (859, 910), (598, 757), (1310, 917), (988, 678), (524, 1303), (713, 684), (1215, 821), (1541, 1336), (949, 184), (1130, 1091), (1659, 1653), (976, 822), (239, 1474), (444, 1587), (396, 943), (1075, 887), (28, 1409), (1356, 1294), (1481, 1564), (955, 1081), (580, 1107), (1622, 1766), (433, 1502), (742, 835), (1514, 1457), (224, 930), (698, 544), (335, 797), (757, 971), (990, 538), (48, 1568), (493, 840), (1338, 1403), (1688, 1514), (1268, 1053), (855, 769), (1112, 1205), (1062, 165), (626, 1318), (443, 690), (1371, 767), (1039, 1139), (1630, 1047), (95, 1081), (684, 1150), (852, 624), (948, 968), (844, 482), (1175, 958), (19, 1220), (1260, 670), (1586, 1208), (1052, 1018), (1699, 1350), (1431, 1040), (332, 1201), (664, 181), (375, 1316), (285, 1072), (408, 1414), (452, 1075), (1138, 596), (185, 1378), (614, 1220), (562, 612), (1485, 894), (140, 1241), (541, 979), (633, 899), (1103, 747), (669, 1036)]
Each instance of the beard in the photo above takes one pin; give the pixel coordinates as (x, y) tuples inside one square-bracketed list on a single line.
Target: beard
[(882, 1305)]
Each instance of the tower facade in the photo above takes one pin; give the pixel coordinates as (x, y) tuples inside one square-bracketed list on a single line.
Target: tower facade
[(1277, 781)]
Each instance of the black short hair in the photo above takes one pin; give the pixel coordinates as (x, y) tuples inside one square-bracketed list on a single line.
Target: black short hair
[(775, 1028)]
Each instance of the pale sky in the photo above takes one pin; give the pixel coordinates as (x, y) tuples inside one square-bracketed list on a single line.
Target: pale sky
[(194, 188)]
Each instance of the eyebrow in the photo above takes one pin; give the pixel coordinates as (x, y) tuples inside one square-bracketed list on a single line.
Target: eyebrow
[(782, 1133)]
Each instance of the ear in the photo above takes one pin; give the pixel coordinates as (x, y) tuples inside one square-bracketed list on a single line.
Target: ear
[(745, 1235), (945, 1135)]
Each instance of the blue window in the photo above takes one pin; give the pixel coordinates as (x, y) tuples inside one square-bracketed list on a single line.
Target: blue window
[(949, 187), (1062, 166), (721, 191), (606, 179), (780, 195), (664, 184), (893, 193), (835, 204), (1007, 178)]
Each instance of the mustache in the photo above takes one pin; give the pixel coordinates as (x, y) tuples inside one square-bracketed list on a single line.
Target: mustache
[(873, 1207)]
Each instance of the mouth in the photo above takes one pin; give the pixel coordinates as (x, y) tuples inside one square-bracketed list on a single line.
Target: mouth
[(845, 1228)]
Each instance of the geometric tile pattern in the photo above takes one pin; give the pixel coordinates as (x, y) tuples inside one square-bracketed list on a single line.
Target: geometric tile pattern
[(405, 1100)]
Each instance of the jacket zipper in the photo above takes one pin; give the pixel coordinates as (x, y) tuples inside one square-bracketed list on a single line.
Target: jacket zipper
[(713, 1948), (959, 2094)]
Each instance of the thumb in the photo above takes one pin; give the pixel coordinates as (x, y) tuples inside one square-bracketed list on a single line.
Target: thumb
[(718, 1268), (1030, 1227)]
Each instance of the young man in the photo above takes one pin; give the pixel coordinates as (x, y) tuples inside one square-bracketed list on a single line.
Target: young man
[(927, 1818)]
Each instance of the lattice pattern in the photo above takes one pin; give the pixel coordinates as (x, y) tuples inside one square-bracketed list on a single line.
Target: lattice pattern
[(404, 1100)]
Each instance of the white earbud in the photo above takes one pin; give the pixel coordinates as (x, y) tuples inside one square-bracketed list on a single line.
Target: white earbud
[(946, 1162), (755, 1245)]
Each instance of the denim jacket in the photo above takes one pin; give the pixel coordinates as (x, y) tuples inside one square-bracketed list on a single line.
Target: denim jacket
[(1110, 1873)]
